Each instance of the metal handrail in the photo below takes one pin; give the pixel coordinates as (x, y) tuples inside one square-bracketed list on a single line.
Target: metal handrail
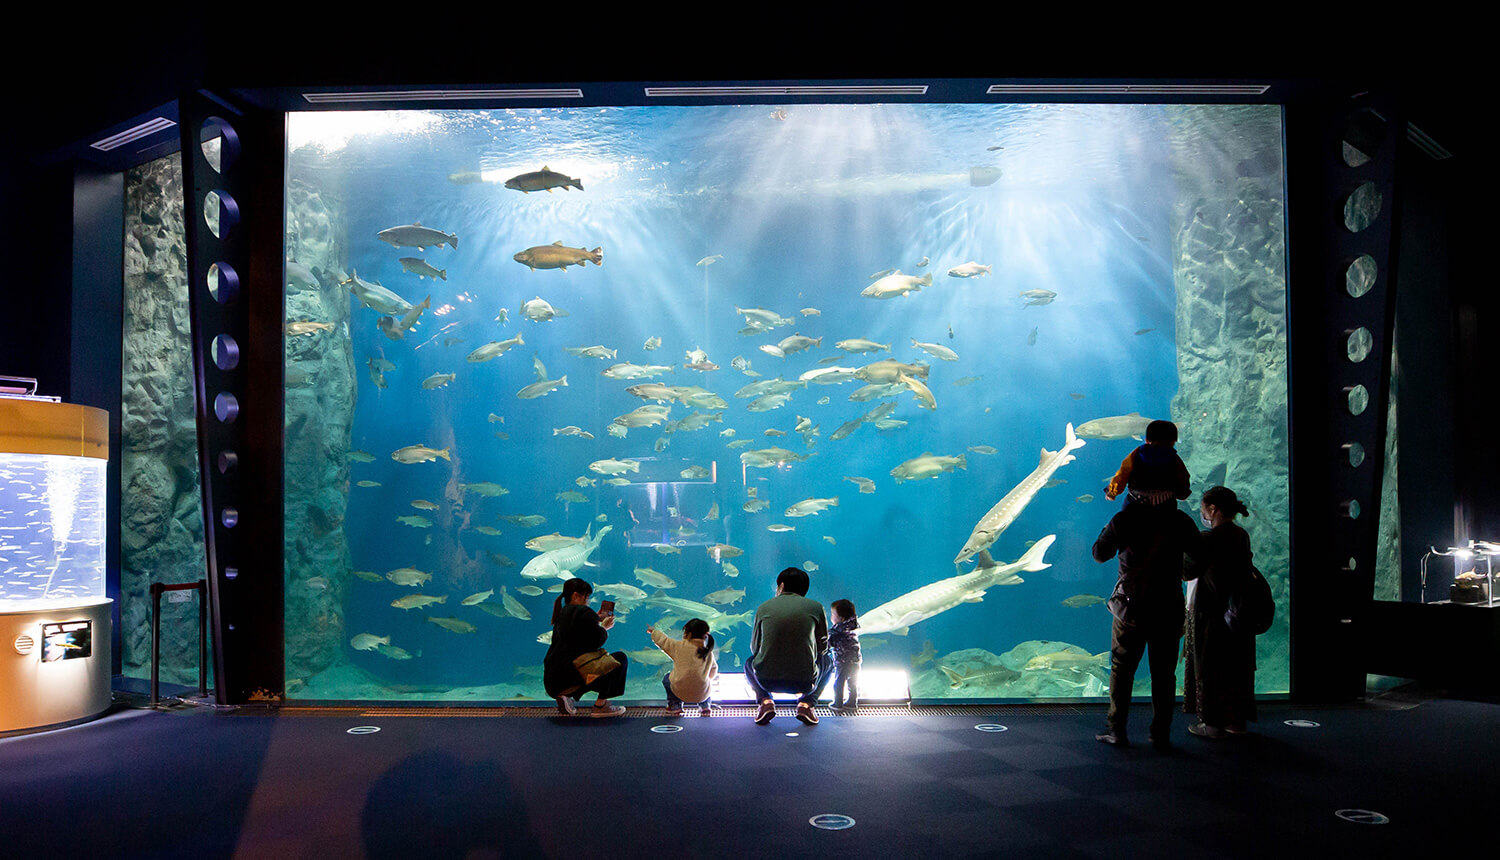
[(157, 589)]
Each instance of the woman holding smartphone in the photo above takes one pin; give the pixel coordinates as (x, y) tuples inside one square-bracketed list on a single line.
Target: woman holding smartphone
[(579, 632)]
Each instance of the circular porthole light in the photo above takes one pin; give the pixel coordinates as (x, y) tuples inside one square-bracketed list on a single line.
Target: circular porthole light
[(1356, 453), (1359, 344), (1359, 399), (1359, 278)]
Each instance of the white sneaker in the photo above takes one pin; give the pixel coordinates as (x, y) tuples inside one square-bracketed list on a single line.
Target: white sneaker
[(607, 711), (566, 705)]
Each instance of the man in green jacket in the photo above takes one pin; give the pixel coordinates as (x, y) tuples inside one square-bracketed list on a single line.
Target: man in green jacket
[(789, 648)]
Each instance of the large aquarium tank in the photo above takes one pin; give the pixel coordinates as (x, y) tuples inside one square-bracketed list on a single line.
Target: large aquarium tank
[(674, 350)]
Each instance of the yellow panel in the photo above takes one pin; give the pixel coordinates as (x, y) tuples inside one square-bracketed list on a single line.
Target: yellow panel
[(41, 427)]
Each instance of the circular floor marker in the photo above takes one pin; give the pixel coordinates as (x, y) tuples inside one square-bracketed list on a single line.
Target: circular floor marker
[(666, 730), (1303, 724), (831, 821), (990, 727), (1362, 816), (364, 730), (792, 734)]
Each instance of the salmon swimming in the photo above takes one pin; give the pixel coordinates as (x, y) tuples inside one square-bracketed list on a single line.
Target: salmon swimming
[(557, 256), (545, 179)]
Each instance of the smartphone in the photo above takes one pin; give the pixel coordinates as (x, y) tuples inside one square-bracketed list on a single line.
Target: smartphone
[(606, 607)]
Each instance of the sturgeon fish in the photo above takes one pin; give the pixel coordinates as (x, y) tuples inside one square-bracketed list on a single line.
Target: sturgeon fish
[(564, 561), (1008, 508), (897, 615)]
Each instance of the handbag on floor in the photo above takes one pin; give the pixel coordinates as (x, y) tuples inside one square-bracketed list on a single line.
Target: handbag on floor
[(593, 665)]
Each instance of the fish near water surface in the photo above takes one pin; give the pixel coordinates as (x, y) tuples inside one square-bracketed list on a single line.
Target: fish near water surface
[(898, 284), (545, 179), (557, 256)]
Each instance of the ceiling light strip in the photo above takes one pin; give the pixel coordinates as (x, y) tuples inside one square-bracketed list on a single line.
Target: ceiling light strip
[(440, 95), (1129, 89), (702, 92), (149, 127)]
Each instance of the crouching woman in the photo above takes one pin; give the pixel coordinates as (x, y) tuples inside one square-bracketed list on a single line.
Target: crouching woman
[(576, 662)]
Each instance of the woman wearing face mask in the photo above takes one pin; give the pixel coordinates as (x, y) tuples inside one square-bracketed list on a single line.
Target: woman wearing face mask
[(1223, 662)]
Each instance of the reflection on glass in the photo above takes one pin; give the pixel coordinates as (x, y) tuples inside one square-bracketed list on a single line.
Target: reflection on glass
[(1359, 344), (211, 211), (1362, 207)]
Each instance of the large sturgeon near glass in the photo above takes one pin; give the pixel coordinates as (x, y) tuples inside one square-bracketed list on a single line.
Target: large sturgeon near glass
[(564, 561), (899, 614), (1007, 509)]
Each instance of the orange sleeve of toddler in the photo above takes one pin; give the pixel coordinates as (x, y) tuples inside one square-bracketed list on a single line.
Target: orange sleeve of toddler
[(1121, 478)]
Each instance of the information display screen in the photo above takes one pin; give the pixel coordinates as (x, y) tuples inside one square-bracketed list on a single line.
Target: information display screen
[(67, 641)]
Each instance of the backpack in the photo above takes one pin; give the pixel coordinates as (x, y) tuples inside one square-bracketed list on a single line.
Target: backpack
[(1251, 606)]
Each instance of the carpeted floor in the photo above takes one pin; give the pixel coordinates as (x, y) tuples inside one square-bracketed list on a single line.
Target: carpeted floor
[(199, 783)]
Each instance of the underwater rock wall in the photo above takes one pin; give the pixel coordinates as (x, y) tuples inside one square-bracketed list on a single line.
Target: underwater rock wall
[(319, 412), (1231, 405), (1388, 539), (161, 520)]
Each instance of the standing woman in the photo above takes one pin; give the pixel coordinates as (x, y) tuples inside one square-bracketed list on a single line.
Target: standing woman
[(1223, 660), (576, 631)]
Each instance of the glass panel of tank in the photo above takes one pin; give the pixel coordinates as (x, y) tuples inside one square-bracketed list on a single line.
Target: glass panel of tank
[(51, 529), (674, 350)]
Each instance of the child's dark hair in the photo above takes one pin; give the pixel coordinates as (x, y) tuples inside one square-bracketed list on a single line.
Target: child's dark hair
[(795, 581), (570, 588), (1225, 500), (844, 608), (1161, 433), (697, 628)]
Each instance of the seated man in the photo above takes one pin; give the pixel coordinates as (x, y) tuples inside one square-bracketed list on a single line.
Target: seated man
[(789, 648)]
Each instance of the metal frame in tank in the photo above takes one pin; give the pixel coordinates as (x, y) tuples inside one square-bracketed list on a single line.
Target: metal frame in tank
[(242, 456)]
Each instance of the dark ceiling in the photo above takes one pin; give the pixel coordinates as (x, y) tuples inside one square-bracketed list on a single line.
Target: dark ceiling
[(97, 74)]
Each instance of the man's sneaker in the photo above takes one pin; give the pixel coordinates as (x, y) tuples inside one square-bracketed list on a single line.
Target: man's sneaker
[(1203, 730), (1113, 739), (705, 711), (806, 714), (766, 712), (674, 712), (607, 711), (566, 705)]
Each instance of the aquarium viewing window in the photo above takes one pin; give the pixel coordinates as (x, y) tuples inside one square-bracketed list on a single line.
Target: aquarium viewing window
[(674, 349)]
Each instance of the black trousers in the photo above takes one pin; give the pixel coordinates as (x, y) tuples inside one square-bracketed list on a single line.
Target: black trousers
[(1157, 641)]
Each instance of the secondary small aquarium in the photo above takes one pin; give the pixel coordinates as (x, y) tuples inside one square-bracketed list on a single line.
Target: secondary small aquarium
[(54, 616), (51, 529), (673, 350)]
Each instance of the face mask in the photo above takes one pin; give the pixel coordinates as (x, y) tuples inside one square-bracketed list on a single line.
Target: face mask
[(1207, 523)]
